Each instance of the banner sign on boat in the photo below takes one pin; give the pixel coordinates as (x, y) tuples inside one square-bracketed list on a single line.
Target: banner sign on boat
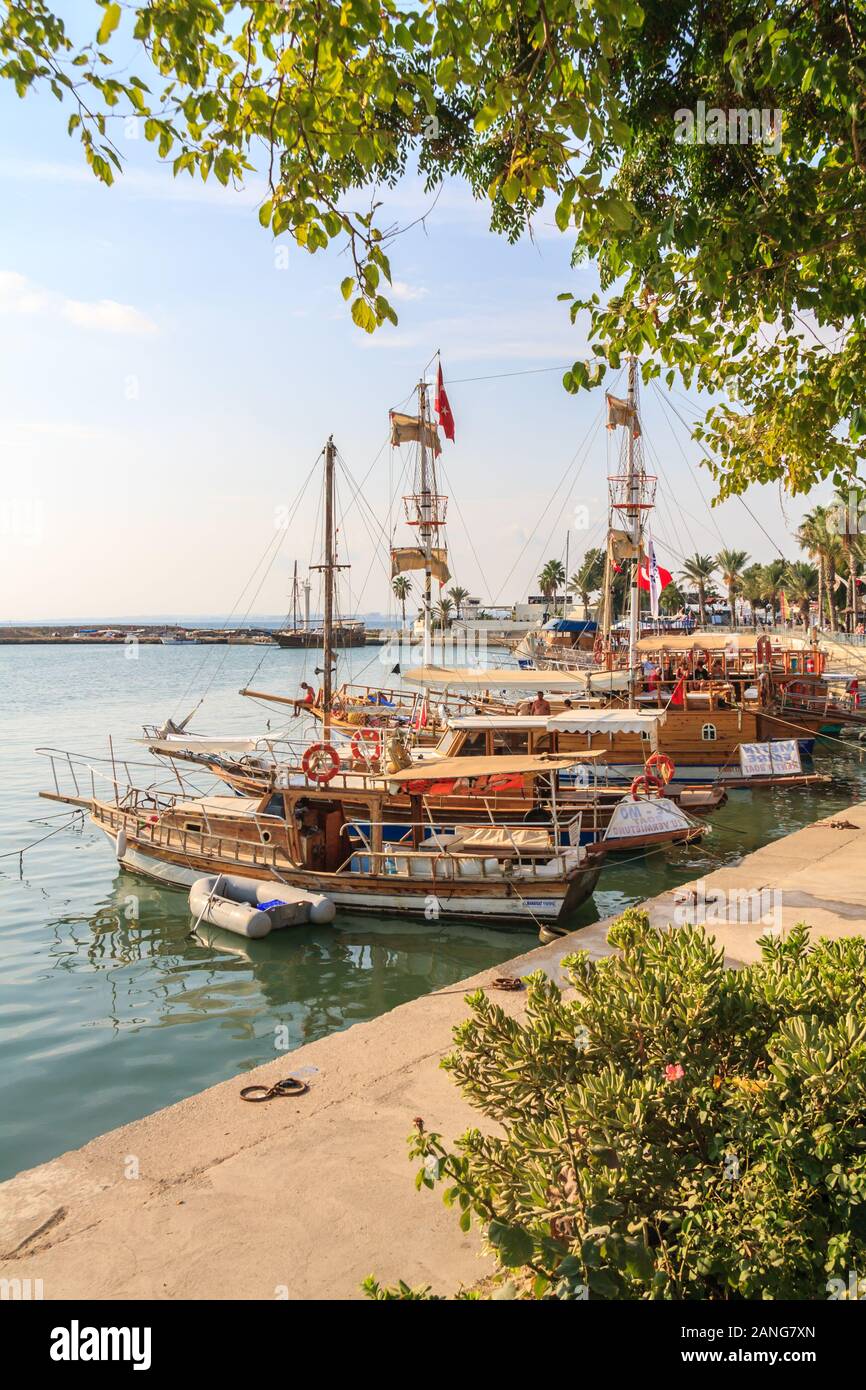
[(655, 816), (780, 758)]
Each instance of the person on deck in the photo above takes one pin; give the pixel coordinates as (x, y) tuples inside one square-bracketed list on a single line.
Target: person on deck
[(539, 704), (701, 672), (309, 696)]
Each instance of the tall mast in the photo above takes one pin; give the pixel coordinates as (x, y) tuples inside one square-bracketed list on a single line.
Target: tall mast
[(633, 487), (632, 492), (329, 567), (295, 598), (426, 528)]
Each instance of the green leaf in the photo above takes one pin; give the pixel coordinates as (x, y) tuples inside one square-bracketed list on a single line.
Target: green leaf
[(110, 21), (513, 1245), (347, 286)]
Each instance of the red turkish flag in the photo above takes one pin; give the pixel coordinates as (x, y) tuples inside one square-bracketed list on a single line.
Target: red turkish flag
[(443, 407), (665, 576), (678, 692)]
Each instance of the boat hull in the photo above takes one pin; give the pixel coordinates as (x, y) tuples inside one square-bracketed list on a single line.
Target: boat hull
[(517, 904)]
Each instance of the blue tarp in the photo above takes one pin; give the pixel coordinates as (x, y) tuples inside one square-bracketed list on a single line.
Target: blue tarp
[(570, 625)]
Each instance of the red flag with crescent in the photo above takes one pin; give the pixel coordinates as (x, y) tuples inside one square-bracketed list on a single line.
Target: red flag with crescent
[(442, 407)]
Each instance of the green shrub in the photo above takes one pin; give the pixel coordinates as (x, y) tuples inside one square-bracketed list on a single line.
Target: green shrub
[(674, 1130)]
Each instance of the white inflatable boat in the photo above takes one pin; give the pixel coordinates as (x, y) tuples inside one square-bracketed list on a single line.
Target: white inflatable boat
[(253, 908)]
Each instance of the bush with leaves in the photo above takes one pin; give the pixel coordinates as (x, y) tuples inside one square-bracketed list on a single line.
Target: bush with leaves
[(673, 1130)]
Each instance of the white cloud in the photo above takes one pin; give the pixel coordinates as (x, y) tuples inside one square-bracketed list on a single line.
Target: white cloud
[(18, 295), (400, 290), (107, 315)]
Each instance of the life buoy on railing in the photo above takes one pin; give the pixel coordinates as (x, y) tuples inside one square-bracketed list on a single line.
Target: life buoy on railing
[(665, 765), (373, 739), (647, 783), (320, 763)]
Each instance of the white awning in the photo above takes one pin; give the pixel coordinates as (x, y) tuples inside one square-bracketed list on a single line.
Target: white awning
[(606, 721), (202, 743), (471, 678)]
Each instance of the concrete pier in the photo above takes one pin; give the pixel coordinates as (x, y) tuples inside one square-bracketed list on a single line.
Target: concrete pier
[(300, 1199)]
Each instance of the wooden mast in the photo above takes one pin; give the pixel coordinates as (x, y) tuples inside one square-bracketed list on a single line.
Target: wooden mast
[(634, 500), (426, 527), (328, 567)]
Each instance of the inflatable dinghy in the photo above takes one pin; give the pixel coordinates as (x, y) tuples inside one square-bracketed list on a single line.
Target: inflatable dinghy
[(250, 907)]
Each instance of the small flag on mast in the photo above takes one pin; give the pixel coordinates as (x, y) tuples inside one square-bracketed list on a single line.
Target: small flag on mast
[(443, 408), (655, 579)]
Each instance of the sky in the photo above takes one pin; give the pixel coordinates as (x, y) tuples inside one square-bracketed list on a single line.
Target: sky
[(169, 374)]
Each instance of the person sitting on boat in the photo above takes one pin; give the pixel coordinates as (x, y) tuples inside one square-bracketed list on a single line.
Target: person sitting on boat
[(309, 695), (701, 673), (539, 704)]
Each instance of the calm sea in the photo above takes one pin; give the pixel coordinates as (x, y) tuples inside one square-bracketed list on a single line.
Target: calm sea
[(109, 1009)]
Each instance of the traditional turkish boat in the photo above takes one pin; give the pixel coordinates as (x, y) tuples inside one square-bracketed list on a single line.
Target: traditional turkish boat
[(321, 841), (754, 692)]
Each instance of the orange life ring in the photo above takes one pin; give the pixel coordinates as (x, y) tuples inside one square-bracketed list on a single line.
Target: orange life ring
[(371, 736), (664, 764), (646, 783), (320, 763)]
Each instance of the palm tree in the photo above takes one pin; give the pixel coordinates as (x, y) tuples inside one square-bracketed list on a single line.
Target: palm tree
[(590, 577), (402, 588), (443, 610), (754, 585), (699, 571), (818, 537), (672, 598), (459, 597), (801, 586), (731, 564), (846, 527), (552, 577)]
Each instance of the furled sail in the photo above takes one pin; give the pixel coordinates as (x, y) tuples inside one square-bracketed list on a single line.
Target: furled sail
[(411, 557), (619, 412), (620, 546), (408, 429)]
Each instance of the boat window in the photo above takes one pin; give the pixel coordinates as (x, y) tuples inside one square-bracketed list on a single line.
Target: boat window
[(708, 733), (510, 740), (542, 743), (266, 837), (191, 825), (645, 736), (474, 744)]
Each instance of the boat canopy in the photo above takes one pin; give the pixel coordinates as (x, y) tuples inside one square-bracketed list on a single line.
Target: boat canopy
[(500, 765), (202, 743), (606, 721), (496, 677), (570, 625), (709, 642)]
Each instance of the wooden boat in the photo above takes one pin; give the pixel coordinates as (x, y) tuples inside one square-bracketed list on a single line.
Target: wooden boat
[(368, 762), (313, 840), (344, 635)]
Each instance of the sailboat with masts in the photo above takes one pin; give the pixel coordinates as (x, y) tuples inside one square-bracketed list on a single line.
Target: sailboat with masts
[(321, 834)]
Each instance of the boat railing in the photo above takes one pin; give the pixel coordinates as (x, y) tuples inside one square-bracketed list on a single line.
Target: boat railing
[(444, 862), (187, 840), (87, 776)]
